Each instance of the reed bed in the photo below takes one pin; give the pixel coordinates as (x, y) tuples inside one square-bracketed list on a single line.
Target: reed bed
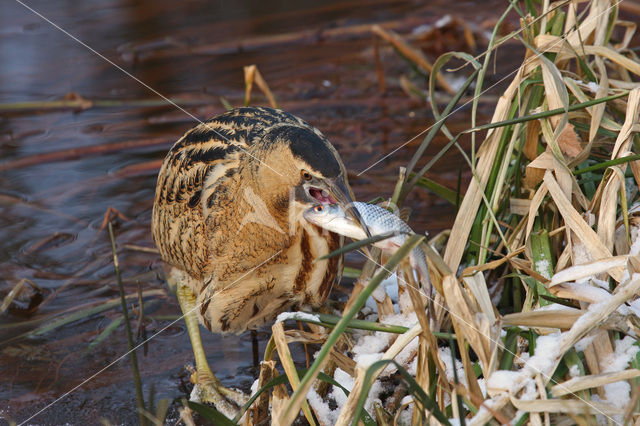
[(534, 313)]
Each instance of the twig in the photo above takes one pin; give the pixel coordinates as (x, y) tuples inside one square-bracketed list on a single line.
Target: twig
[(73, 153), (132, 353)]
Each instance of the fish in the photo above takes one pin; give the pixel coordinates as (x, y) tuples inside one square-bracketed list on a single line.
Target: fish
[(379, 220)]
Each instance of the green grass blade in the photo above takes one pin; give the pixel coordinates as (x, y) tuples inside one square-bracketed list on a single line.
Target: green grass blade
[(545, 114), (441, 190), (125, 314), (300, 394), (104, 334), (542, 261), (211, 414), (435, 128), (412, 386), (349, 272), (416, 177), (606, 164), (280, 380)]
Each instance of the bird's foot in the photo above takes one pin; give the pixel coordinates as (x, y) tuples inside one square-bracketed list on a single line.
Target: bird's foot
[(208, 389)]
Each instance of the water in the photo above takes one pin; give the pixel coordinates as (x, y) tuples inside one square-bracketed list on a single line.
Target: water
[(59, 175)]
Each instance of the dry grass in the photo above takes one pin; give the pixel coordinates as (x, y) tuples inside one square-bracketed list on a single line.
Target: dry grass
[(538, 275)]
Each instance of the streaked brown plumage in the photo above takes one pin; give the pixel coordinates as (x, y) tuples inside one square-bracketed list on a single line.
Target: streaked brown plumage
[(228, 218)]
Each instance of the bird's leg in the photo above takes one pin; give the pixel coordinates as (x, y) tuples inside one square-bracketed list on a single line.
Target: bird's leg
[(208, 386)]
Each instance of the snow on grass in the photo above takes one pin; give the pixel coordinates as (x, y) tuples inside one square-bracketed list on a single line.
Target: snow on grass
[(348, 382), (556, 307), (369, 348), (624, 353), (297, 316), (345, 380), (388, 286), (406, 415), (545, 355), (589, 292), (600, 283), (619, 393), (635, 245), (582, 344), (445, 356), (634, 307), (574, 371), (590, 86), (543, 266), (502, 380), (593, 87), (586, 271), (581, 253), (322, 409), (322, 406)]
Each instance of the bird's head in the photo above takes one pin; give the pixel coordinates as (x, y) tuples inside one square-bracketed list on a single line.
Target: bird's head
[(298, 161)]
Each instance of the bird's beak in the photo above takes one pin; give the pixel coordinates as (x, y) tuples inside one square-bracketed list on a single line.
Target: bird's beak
[(340, 192)]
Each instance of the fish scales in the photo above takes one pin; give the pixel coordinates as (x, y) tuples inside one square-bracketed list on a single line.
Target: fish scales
[(379, 221)]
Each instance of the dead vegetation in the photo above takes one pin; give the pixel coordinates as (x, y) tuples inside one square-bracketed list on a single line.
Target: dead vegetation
[(538, 279)]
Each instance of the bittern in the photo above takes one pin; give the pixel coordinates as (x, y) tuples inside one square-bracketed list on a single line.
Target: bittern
[(228, 219)]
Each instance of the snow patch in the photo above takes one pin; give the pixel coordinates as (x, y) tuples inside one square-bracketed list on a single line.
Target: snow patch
[(581, 254), (593, 87), (325, 414), (590, 292), (634, 306), (582, 344), (543, 266), (635, 245), (545, 354), (574, 371), (503, 380), (445, 356), (297, 316)]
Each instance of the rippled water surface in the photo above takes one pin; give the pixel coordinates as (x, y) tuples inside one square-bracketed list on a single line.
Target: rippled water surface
[(62, 168)]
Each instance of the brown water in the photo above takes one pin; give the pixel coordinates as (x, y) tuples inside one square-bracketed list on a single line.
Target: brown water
[(61, 169)]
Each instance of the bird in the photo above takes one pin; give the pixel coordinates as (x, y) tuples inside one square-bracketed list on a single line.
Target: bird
[(227, 220)]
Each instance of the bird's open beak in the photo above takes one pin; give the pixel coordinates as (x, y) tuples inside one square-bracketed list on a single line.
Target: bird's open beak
[(339, 190)]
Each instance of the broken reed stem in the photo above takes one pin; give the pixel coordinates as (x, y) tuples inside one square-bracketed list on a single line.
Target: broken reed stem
[(132, 353), (289, 367), (56, 319), (606, 164), (80, 103)]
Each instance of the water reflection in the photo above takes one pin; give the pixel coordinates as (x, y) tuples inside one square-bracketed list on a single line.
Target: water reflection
[(51, 210)]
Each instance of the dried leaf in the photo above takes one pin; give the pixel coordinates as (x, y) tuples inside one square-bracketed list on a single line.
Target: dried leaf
[(530, 148), (569, 141)]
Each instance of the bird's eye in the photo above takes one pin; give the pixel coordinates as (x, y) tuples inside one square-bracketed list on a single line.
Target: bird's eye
[(306, 175), (318, 208)]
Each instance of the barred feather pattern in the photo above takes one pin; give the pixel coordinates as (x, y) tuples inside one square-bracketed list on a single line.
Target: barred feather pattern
[(199, 225)]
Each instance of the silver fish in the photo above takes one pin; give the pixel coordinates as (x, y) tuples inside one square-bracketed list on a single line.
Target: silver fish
[(379, 221)]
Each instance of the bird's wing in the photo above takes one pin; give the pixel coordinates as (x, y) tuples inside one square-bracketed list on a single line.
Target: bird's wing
[(213, 147), (178, 220)]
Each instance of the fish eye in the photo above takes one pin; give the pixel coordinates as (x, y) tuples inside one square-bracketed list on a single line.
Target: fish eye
[(318, 209), (305, 175)]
